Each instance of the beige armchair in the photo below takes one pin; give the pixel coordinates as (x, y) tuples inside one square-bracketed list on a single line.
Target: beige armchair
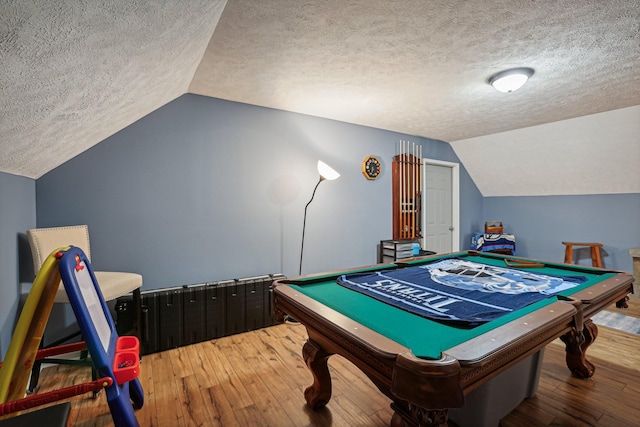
[(112, 284)]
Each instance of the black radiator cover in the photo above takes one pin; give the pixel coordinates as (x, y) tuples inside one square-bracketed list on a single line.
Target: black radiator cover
[(189, 314)]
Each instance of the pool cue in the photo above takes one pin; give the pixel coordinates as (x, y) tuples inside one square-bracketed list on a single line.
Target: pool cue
[(401, 189), (413, 191)]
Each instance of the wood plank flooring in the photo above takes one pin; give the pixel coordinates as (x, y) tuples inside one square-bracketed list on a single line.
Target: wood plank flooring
[(257, 379)]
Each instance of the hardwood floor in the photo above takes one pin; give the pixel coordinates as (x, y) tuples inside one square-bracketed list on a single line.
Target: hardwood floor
[(257, 379)]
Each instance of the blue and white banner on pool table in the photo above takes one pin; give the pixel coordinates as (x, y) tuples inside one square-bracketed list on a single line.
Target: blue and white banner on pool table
[(459, 291)]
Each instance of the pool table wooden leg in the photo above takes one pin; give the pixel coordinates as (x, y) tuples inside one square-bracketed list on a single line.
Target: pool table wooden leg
[(576, 344), (318, 394)]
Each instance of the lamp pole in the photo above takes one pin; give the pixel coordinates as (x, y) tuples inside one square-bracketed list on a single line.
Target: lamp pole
[(304, 221), (326, 172)]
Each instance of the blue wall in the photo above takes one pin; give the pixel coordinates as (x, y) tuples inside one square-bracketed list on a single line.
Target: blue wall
[(17, 214), (205, 189), (542, 223)]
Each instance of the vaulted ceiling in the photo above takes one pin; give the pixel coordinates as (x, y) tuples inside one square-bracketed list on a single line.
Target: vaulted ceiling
[(76, 72)]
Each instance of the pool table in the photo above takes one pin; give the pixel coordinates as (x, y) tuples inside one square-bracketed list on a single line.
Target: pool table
[(427, 367)]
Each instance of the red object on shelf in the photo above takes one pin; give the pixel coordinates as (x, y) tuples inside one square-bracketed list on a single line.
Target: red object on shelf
[(126, 363)]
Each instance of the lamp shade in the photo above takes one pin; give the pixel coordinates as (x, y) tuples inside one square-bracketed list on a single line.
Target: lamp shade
[(326, 171), (510, 80)]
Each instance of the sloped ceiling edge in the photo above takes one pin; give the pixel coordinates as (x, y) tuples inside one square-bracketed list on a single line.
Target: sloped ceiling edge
[(594, 154)]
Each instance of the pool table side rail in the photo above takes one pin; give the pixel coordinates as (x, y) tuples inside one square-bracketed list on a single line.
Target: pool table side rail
[(602, 294), (408, 262), (497, 350), (308, 279), (536, 326)]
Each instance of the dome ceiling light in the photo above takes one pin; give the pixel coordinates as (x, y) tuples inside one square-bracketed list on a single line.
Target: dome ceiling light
[(510, 80)]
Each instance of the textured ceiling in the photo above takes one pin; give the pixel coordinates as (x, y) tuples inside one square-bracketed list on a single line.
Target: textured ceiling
[(76, 72), (420, 67)]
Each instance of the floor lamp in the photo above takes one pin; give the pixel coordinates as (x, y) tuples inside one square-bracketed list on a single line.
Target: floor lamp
[(326, 172)]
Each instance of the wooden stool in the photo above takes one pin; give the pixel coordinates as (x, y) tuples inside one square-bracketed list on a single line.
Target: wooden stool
[(595, 252), (595, 261)]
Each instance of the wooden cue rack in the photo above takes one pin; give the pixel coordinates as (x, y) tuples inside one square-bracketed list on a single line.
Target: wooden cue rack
[(407, 191)]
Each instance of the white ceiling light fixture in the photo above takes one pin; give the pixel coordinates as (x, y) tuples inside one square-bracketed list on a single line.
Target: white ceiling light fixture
[(510, 80)]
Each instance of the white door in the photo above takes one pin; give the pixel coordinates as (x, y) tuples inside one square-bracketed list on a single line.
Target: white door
[(441, 207)]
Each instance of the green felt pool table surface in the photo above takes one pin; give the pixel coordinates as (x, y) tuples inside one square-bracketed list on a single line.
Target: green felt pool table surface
[(428, 338)]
